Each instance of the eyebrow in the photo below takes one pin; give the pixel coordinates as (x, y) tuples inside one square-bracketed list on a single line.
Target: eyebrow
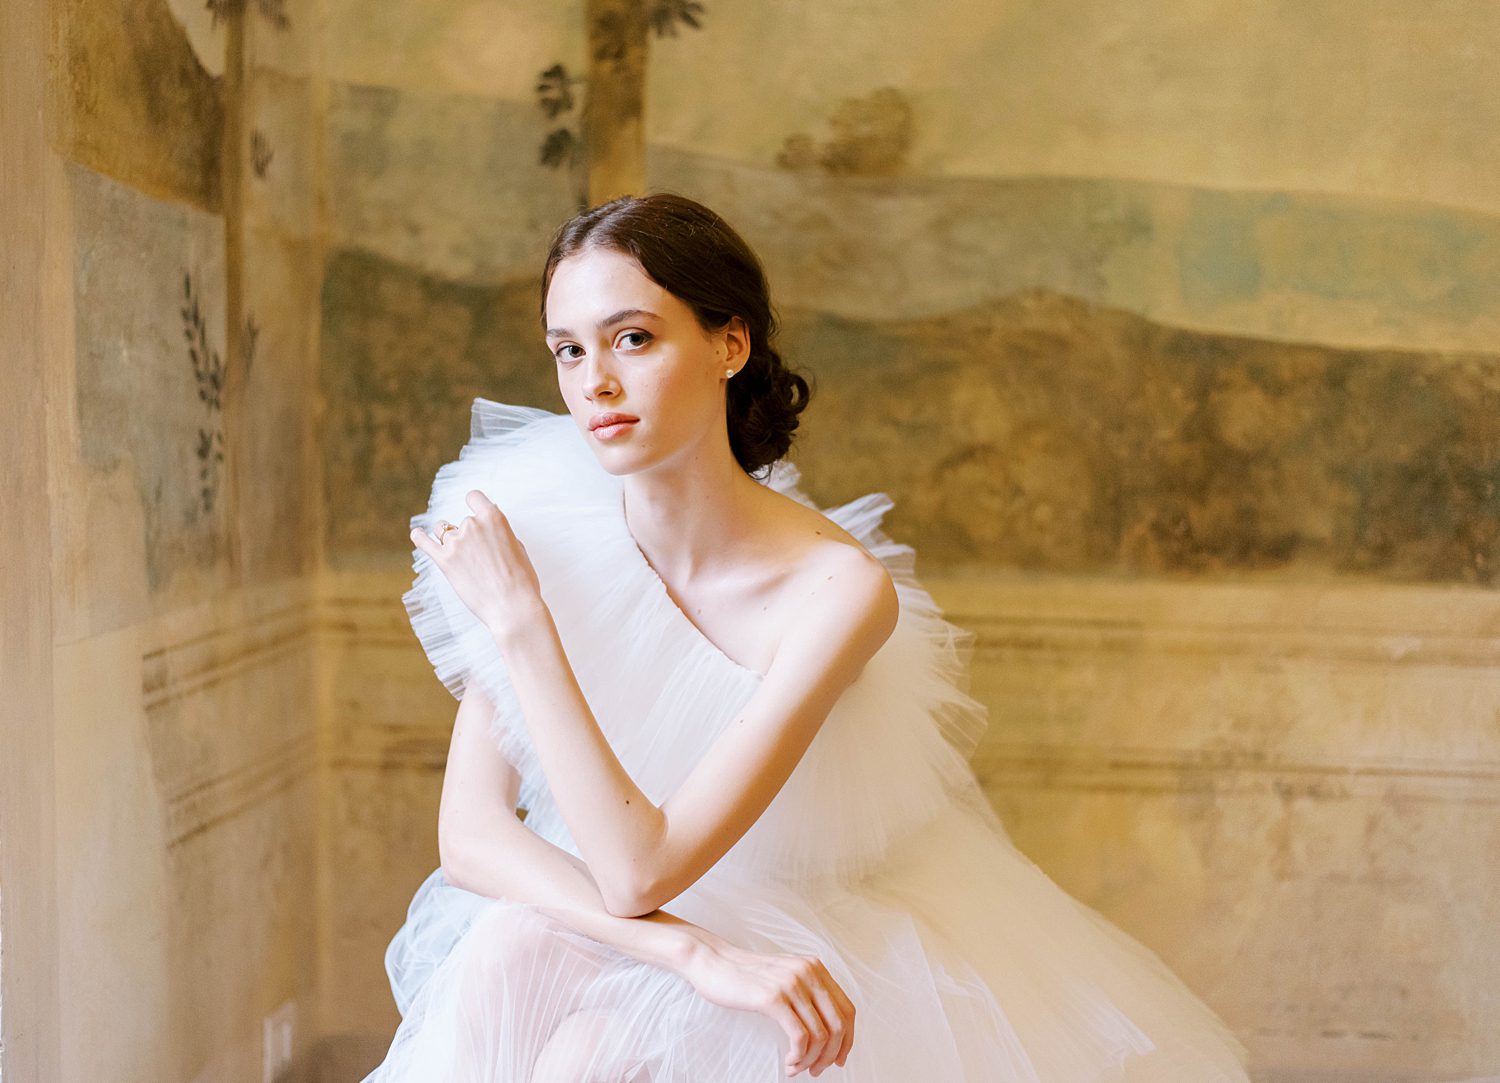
[(623, 314)]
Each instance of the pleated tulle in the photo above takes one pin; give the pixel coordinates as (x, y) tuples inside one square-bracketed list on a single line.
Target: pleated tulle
[(880, 855)]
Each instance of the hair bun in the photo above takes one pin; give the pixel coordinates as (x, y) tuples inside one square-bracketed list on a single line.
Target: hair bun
[(763, 410)]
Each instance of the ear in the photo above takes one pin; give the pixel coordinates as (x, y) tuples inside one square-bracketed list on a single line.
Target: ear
[(736, 336)]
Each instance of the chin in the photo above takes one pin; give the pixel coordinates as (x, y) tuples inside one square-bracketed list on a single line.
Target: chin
[(615, 467), (616, 461)]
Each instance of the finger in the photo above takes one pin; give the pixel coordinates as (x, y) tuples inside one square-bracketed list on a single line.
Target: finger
[(423, 541), (845, 1046), (478, 501), (817, 1031), (836, 1010), (848, 1043), (833, 1019), (830, 1025), (846, 1012), (796, 1032)]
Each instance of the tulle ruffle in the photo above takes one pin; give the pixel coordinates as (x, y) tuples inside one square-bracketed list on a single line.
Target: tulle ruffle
[(895, 748), (888, 756)]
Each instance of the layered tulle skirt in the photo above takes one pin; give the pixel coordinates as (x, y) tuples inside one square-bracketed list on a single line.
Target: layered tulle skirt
[(965, 963)]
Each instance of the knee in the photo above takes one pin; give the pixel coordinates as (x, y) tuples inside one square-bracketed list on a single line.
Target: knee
[(514, 945), (576, 1053)]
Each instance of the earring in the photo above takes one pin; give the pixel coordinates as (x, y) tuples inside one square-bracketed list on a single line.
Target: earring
[(728, 372)]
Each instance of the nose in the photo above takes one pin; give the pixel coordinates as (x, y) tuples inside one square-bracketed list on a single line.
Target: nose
[(599, 375)]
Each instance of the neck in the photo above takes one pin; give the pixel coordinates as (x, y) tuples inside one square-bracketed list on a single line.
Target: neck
[(688, 515)]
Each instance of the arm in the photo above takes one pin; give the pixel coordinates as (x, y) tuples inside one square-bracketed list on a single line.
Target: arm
[(643, 855), (487, 850), (484, 848)]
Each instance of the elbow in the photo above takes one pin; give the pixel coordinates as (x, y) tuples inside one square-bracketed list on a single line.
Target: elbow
[(636, 885), (621, 909), (631, 897), (629, 909), (626, 903), (633, 885)]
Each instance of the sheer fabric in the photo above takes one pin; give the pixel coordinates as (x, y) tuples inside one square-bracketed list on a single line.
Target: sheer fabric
[(880, 855)]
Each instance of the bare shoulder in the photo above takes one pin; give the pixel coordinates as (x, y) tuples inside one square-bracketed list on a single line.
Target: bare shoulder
[(837, 587)]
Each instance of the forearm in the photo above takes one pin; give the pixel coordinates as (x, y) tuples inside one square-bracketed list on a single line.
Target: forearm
[(618, 830), (513, 862)]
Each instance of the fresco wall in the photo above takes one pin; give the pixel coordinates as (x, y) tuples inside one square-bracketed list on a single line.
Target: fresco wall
[(1171, 331), (178, 790)]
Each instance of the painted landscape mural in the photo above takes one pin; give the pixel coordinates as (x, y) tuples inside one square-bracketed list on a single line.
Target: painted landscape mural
[(1172, 331)]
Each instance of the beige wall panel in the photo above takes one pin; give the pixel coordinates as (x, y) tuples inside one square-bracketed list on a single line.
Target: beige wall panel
[(114, 892), (36, 273), (186, 817), (488, 49), (385, 751), (1342, 677), (1290, 792), (284, 38), (282, 181), (1299, 267), (1378, 99)]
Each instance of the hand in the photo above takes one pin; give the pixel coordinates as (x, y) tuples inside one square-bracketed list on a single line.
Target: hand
[(486, 564), (794, 990)]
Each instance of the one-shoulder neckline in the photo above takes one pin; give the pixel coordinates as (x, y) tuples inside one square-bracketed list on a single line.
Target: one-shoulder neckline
[(660, 586)]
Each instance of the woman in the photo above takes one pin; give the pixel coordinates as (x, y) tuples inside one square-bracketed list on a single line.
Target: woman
[(752, 846)]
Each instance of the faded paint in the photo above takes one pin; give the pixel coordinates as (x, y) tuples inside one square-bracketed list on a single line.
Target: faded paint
[(869, 136), (1293, 266), (448, 184), (404, 355), (133, 101), (137, 400), (1372, 99), (487, 49), (1041, 433), (182, 780)]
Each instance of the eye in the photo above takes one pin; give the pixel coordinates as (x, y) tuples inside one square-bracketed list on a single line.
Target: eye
[(637, 334), (566, 357)]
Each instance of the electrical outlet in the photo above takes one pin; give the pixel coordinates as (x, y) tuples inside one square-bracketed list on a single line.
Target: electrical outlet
[(278, 1034)]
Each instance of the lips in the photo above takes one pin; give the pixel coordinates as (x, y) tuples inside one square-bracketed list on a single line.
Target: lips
[(599, 420)]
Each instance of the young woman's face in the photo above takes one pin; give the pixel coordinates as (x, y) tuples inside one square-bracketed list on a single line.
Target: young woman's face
[(623, 344)]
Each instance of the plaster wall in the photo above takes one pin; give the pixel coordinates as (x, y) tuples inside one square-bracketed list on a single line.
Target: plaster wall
[(1171, 331), (166, 900)]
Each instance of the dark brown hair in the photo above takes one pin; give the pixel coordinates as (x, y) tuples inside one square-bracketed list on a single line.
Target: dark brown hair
[(696, 256)]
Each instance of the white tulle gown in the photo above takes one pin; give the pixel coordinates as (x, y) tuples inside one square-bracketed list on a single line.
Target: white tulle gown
[(881, 856)]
